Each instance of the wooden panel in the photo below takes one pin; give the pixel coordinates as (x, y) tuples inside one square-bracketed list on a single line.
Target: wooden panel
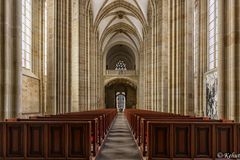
[(15, 140), (35, 140), (224, 139), (56, 140), (203, 141), (238, 139), (1, 140), (161, 141), (182, 141), (76, 140)]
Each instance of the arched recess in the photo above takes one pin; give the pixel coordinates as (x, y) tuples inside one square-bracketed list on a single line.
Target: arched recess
[(134, 53), (120, 85), (120, 53)]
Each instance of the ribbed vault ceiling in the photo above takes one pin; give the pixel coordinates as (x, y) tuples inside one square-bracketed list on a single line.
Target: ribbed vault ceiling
[(120, 20)]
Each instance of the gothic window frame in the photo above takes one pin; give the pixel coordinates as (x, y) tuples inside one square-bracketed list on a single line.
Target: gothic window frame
[(27, 34), (212, 55)]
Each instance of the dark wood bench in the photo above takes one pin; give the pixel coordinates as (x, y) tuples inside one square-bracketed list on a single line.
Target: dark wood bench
[(188, 140), (99, 123), (95, 136), (148, 139), (143, 127), (101, 120), (45, 140)]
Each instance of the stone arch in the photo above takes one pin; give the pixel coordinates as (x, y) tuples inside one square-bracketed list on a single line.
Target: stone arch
[(123, 28), (120, 85), (109, 41), (125, 80)]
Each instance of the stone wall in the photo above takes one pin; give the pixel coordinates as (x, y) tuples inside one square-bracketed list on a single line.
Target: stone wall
[(31, 95)]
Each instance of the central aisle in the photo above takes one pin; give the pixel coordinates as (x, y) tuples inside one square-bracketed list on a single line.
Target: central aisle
[(119, 143)]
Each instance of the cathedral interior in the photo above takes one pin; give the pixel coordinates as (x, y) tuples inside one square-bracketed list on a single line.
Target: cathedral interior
[(173, 56)]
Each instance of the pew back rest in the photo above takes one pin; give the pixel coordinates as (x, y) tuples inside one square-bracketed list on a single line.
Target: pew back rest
[(191, 139), (46, 140)]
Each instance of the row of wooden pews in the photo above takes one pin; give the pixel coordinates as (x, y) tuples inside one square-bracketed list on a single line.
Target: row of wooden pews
[(172, 136), (76, 135)]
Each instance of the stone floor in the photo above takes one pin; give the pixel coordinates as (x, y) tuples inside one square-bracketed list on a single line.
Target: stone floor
[(119, 143)]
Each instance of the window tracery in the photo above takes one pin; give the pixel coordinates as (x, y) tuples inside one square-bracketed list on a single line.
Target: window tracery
[(121, 65)]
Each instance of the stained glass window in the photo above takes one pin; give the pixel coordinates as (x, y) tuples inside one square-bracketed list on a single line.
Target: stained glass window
[(121, 65)]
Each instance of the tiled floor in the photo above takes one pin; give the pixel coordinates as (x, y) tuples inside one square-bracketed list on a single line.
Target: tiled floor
[(119, 143)]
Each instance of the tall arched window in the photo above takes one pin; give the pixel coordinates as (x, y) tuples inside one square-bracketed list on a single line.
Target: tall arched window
[(212, 34), (27, 34), (121, 65)]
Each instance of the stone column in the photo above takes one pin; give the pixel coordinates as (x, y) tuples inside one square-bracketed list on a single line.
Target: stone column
[(188, 77), (202, 57), (169, 49), (141, 81), (159, 64), (59, 53), (10, 58), (220, 58), (92, 64), (179, 59), (87, 60), (172, 55), (75, 55), (180, 76), (229, 59), (164, 57), (82, 55)]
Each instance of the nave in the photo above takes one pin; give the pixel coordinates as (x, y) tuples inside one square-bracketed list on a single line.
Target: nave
[(66, 65), (119, 143)]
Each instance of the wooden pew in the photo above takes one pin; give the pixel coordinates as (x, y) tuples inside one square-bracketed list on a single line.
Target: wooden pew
[(188, 140), (105, 117), (106, 114), (154, 148), (95, 137), (143, 127), (100, 119), (135, 118), (45, 140), (99, 122)]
